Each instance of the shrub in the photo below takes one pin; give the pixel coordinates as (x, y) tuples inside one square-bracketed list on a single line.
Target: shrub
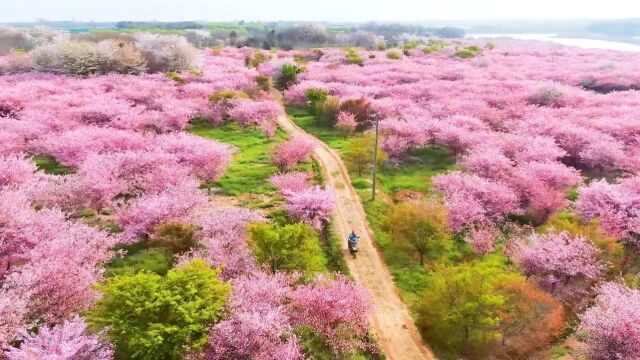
[(434, 46), (294, 247), (85, 58), (68, 57), (327, 112), (15, 62), (256, 59), (549, 96), (178, 237), (149, 316), (167, 52), (346, 122), (392, 54), (359, 153), (264, 82), (353, 57), (288, 76), (423, 227), (459, 312), (361, 109), (26, 39), (316, 96), (227, 94), (468, 52), (172, 75), (411, 44), (120, 57)]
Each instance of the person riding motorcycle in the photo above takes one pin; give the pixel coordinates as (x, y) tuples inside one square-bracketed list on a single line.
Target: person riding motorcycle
[(353, 242)]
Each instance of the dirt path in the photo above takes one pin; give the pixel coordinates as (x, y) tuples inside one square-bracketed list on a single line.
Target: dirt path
[(392, 323)]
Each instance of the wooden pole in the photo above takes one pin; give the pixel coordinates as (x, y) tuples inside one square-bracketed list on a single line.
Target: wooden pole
[(375, 160)]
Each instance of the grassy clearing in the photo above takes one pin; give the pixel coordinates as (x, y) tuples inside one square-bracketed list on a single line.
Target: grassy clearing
[(49, 165), (414, 175), (250, 168), (141, 256), (251, 165)]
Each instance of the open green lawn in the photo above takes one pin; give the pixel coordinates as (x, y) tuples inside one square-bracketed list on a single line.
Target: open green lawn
[(141, 256), (251, 165), (413, 174), (50, 165)]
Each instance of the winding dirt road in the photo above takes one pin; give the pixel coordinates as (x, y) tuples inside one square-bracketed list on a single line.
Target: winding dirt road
[(392, 324)]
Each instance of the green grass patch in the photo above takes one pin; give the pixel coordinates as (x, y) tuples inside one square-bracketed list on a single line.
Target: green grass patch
[(251, 165), (141, 256), (49, 165), (309, 123), (413, 174), (558, 352), (333, 251)]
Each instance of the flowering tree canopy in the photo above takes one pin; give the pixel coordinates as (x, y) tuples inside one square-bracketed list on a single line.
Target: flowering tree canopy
[(612, 325)]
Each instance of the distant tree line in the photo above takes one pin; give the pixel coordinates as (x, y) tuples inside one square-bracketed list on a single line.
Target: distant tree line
[(179, 25), (267, 35)]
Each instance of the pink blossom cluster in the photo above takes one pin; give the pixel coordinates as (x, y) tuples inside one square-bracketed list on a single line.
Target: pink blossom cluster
[(69, 340), (223, 240), (292, 152), (310, 204), (557, 258), (261, 113), (346, 122), (262, 316), (617, 206), (266, 309), (337, 310), (260, 326), (121, 136), (48, 263), (612, 325), (292, 181), (313, 205), (510, 115)]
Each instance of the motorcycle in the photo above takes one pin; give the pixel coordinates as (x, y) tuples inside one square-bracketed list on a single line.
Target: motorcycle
[(353, 246)]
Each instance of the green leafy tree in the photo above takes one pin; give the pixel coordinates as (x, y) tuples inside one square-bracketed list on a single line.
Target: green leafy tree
[(359, 153), (151, 317), (459, 311), (293, 247), (421, 226)]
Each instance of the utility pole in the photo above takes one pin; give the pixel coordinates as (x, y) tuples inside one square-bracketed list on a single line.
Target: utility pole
[(375, 158)]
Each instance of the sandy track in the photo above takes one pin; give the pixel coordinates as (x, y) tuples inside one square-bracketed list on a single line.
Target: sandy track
[(392, 323)]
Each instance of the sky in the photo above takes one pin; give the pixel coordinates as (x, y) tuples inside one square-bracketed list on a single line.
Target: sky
[(308, 10)]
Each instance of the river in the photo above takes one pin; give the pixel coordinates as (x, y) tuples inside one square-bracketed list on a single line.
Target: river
[(577, 42)]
